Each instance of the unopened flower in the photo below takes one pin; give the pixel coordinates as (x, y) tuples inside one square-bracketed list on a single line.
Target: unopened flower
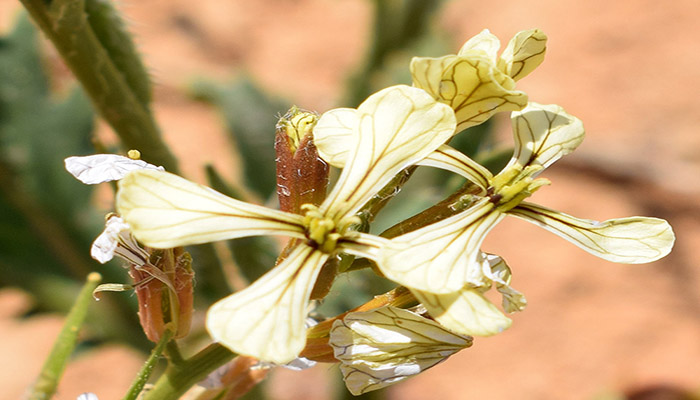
[(476, 82), (381, 347), (395, 128), (442, 262)]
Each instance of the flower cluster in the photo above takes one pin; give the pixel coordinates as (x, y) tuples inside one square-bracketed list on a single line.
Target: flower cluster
[(441, 263)]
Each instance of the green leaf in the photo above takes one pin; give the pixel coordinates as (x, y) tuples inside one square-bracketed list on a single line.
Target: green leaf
[(54, 366), (111, 31), (110, 74)]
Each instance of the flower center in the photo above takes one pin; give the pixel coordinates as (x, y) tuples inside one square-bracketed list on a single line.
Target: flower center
[(324, 232), (513, 185)]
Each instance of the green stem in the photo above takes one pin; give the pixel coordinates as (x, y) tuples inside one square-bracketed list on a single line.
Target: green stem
[(67, 24), (178, 378), (147, 369), (54, 366)]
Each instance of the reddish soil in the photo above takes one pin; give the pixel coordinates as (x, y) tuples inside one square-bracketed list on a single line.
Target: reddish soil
[(592, 328)]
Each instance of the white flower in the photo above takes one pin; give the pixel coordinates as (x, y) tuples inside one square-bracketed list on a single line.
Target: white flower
[(87, 396), (476, 82), (380, 347), (442, 262), (393, 128)]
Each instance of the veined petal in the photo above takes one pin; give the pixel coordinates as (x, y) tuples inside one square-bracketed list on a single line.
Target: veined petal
[(632, 240), (363, 245), (448, 158), (334, 135), (543, 134), (499, 273), (471, 84), (99, 168), (380, 347), (397, 127), (523, 54), (266, 319), (485, 42), (441, 257), (466, 312), (165, 210)]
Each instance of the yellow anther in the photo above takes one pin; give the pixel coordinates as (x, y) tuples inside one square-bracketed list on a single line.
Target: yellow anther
[(324, 231), (134, 154), (511, 187)]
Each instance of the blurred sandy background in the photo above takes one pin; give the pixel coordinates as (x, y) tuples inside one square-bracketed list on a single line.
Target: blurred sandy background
[(629, 69)]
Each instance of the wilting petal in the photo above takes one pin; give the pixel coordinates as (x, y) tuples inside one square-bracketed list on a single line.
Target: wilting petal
[(448, 158), (397, 127), (472, 85), (466, 312), (543, 134), (441, 257), (380, 347), (334, 135), (99, 168), (632, 240), (485, 42), (499, 273), (116, 239), (266, 319), (523, 54), (166, 211)]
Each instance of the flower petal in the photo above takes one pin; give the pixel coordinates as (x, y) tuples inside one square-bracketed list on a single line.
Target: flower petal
[(499, 273), (266, 319), (524, 53), (397, 127), (441, 257), (448, 158), (472, 85), (380, 347), (116, 239), (334, 135), (632, 240), (485, 42), (543, 134), (166, 211), (466, 312), (99, 168)]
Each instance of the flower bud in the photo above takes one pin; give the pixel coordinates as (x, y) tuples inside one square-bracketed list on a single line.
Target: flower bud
[(302, 176)]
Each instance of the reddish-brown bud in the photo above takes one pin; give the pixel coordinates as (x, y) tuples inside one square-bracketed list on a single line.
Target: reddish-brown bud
[(302, 176)]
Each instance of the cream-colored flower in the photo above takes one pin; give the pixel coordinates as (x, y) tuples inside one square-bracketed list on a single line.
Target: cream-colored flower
[(381, 347), (476, 82), (442, 262), (394, 128)]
